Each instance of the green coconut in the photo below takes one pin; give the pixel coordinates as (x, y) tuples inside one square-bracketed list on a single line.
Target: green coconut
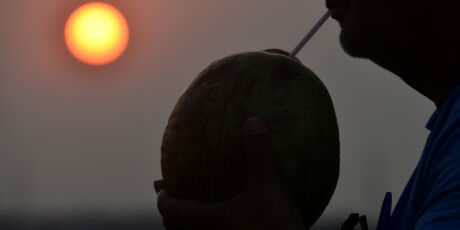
[(202, 155)]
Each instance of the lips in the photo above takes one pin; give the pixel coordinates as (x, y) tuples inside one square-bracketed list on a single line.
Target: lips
[(338, 8), (339, 13)]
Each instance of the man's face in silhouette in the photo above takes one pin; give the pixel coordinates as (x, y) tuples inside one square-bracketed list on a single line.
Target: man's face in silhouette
[(370, 28)]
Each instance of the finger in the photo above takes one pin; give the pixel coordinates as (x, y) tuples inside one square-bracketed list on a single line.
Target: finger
[(191, 214), (259, 152), (158, 185)]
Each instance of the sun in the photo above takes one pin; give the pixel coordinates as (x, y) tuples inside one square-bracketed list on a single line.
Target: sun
[(96, 33)]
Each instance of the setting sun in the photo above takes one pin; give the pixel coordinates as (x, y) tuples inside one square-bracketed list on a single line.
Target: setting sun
[(96, 33)]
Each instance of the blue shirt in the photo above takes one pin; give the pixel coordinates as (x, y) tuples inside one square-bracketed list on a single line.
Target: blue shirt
[(431, 198)]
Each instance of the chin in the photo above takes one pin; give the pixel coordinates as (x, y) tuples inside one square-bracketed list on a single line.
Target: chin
[(356, 43), (361, 38)]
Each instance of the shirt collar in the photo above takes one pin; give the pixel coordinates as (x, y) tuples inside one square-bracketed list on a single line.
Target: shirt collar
[(434, 117), (430, 124)]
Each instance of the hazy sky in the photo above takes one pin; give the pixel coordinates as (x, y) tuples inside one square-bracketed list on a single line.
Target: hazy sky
[(75, 137)]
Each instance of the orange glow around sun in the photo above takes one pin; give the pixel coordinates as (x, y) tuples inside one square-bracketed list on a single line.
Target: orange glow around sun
[(96, 33)]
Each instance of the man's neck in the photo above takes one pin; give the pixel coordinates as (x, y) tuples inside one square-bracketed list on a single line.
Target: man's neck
[(433, 78)]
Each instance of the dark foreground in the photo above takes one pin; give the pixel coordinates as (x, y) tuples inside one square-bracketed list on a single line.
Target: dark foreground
[(100, 222)]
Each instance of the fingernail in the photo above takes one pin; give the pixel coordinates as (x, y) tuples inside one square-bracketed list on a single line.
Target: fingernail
[(255, 125)]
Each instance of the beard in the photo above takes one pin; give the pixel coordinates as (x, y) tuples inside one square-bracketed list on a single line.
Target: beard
[(360, 38), (375, 29)]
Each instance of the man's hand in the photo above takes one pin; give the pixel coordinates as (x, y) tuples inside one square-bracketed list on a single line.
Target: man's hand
[(263, 204)]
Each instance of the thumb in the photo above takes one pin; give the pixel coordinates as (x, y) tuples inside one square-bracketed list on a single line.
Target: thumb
[(259, 152)]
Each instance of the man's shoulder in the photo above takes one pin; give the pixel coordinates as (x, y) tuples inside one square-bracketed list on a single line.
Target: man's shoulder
[(440, 205), (440, 173), (431, 199)]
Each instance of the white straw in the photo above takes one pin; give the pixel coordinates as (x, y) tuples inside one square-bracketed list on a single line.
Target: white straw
[(310, 34)]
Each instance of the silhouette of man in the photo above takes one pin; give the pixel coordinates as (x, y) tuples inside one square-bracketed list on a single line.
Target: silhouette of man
[(419, 41)]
